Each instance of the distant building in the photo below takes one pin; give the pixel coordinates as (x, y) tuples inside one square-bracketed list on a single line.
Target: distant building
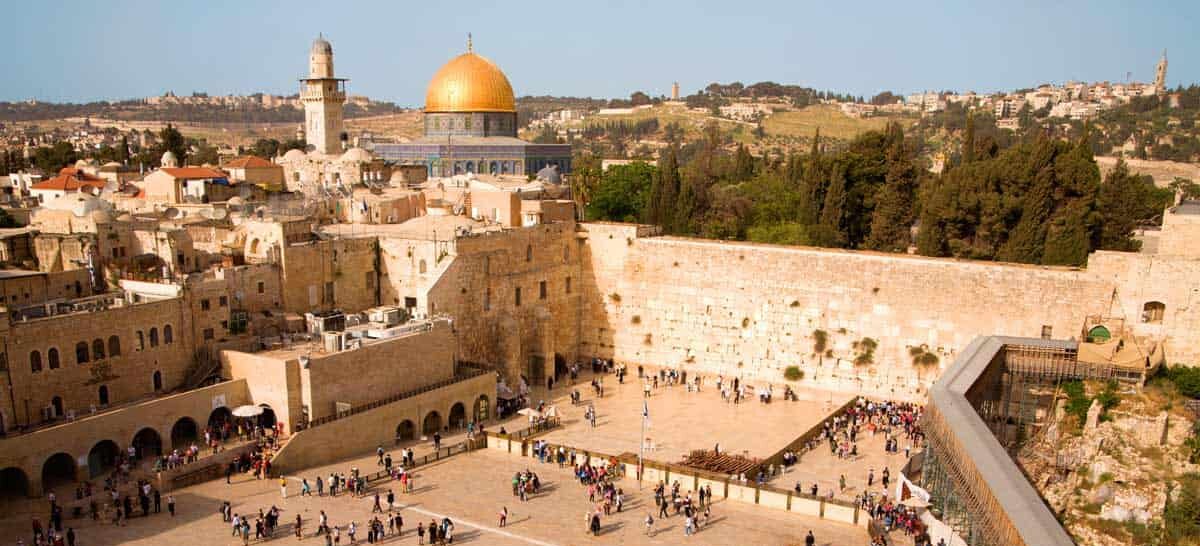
[(1160, 75), (675, 91)]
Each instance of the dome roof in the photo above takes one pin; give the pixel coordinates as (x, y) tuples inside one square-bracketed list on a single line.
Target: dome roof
[(293, 155), (321, 46), (356, 154), (469, 83)]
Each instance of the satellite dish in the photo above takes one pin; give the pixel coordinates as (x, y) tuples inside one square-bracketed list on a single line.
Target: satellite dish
[(172, 213), (218, 214)]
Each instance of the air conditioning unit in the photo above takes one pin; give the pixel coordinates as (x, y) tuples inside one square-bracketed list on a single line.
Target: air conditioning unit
[(334, 342)]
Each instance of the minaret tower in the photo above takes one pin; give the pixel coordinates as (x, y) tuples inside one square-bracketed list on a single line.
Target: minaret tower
[(323, 96), (1160, 75)]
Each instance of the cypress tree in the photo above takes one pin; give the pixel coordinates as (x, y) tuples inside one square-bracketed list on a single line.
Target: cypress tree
[(833, 211), (1027, 241), (743, 164), (685, 207), (968, 151), (893, 215), (667, 184)]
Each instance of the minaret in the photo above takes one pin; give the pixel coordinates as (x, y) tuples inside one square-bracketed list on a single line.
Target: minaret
[(1160, 75), (323, 96)]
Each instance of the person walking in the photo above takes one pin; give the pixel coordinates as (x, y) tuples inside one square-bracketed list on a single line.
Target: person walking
[(299, 524), (810, 540), (171, 505), (157, 502), (649, 525), (283, 487), (504, 516), (420, 533)]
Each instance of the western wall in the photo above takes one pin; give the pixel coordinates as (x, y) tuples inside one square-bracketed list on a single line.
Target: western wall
[(749, 310)]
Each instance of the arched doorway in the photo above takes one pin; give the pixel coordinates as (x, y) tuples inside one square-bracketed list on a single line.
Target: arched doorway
[(148, 443), (458, 416), (266, 419), (14, 484), (219, 417), (59, 469), (406, 431), (483, 409), (103, 457), (560, 366), (432, 423), (57, 403), (103, 395), (184, 432)]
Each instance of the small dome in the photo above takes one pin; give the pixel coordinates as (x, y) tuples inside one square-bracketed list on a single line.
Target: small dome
[(356, 154), (293, 155), (169, 159), (235, 201), (321, 46)]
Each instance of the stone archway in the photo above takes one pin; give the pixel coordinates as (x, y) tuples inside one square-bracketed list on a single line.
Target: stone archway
[(432, 423), (147, 443), (483, 409), (58, 469), (406, 431), (266, 419), (219, 416), (14, 484), (458, 416), (184, 432), (103, 457)]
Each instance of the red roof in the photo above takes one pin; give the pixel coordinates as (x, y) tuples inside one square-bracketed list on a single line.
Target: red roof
[(193, 173), (68, 183), (250, 161)]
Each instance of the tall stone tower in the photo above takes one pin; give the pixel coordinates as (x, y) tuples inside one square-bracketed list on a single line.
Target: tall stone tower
[(1160, 75), (323, 96)]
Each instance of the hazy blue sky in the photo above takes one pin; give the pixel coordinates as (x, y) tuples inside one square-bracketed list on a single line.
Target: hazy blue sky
[(85, 50)]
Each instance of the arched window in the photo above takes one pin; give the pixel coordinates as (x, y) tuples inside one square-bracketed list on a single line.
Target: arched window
[(421, 267), (103, 395), (141, 340), (157, 380), (529, 253), (168, 335), (35, 361), (52, 358), (114, 346), (1153, 312), (154, 337), (98, 349), (254, 247), (81, 352)]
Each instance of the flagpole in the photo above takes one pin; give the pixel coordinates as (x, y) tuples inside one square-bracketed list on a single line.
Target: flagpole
[(642, 442)]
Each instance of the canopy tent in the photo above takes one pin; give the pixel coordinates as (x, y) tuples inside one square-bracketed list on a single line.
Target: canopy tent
[(247, 411)]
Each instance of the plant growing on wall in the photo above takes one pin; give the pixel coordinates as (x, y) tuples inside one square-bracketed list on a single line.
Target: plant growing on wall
[(793, 373), (820, 340), (637, 319), (866, 351), (922, 360), (615, 297)]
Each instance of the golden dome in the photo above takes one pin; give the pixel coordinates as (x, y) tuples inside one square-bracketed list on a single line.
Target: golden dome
[(469, 83)]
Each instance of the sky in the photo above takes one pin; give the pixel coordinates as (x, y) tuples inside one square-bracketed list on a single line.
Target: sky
[(82, 50)]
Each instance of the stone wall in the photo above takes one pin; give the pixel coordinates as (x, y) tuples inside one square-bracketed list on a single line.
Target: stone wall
[(751, 310), (1139, 279), (363, 432), (379, 370), (479, 290), (127, 376)]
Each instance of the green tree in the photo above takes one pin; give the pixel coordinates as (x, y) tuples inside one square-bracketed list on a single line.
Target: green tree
[(833, 231), (52, 158), (894, 207), (664, 192), (1127, 200), (743, 164), (123, 151), (623, 193), (171, 140)]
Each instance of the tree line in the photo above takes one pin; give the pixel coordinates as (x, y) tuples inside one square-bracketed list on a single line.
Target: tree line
[(1035, 200)]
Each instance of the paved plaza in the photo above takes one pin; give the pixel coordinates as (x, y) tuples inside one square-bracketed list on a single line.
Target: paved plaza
[(682, 421), (470, 490)]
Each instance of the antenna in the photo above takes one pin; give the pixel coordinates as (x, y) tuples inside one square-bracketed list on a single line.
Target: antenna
[(471, 48)]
